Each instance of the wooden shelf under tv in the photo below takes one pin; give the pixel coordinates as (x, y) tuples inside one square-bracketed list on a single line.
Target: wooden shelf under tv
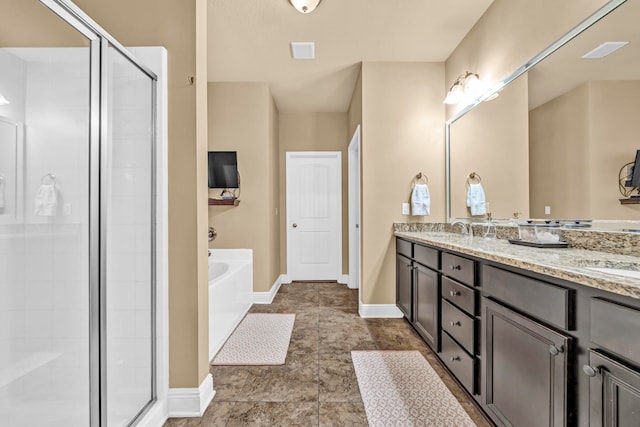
[(223, 202), (630, 201)]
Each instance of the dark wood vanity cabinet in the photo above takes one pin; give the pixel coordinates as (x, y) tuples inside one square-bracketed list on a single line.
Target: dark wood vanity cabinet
[(418, 289), (525, 373), (426, 310), (530, 349), (614, 392), (404, 286)]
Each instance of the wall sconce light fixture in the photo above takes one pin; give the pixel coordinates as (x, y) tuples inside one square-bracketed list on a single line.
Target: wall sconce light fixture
[(3, 100), (466, 88), (305, 6)]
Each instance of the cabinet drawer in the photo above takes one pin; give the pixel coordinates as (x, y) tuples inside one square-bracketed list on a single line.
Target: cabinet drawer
[(404, 247), (461, 269), (426, 256), (459, 325), (459, 362), (616, 328), (547, 302), (459, 295)]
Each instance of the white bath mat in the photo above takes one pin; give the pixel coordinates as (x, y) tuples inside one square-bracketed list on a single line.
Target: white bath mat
[(260, 339), (400, 388)]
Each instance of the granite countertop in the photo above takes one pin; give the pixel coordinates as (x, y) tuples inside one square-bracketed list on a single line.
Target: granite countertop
[(569, 264)]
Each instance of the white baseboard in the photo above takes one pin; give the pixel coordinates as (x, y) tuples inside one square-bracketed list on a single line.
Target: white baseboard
[(267, 297), (343, 279), (380, 311), (191, 402)]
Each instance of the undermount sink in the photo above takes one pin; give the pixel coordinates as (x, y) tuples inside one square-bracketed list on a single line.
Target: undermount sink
[(617, 271)]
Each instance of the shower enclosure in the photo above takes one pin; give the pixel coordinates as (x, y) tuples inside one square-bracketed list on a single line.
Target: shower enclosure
[(77, 222)]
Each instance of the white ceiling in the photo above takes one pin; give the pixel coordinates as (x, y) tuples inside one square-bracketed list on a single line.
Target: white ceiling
[(249, 41)]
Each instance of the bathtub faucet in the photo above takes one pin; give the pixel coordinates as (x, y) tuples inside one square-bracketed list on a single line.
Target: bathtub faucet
[(212, 234)]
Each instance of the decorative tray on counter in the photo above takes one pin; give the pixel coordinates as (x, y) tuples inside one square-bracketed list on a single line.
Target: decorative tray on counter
[(538, 244)]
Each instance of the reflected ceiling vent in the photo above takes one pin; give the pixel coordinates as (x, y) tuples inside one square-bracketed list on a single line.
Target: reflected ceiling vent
[(303, 50), (606, 48)]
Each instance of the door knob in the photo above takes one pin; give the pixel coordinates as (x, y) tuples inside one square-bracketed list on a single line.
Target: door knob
[(295, 225), (590, 371)]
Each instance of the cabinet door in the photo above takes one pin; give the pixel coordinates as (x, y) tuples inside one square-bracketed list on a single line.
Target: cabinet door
[(614, 393), (524, 370), (427, 298), (404, 285)]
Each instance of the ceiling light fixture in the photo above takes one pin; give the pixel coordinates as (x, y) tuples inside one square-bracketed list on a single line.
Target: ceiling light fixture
[(305, 6), (3, 100), (466, 89)]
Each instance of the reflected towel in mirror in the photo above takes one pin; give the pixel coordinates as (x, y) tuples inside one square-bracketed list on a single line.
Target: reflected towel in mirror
[(476, 199), (420, 200)]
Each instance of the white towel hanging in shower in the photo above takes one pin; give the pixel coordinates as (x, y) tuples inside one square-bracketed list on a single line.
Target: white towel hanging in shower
[(46, 200)]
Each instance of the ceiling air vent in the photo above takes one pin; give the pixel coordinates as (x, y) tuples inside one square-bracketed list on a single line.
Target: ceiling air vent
[(303, 50), (606, 48)]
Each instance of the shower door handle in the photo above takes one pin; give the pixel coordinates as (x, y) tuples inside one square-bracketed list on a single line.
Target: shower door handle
[(295, 225)]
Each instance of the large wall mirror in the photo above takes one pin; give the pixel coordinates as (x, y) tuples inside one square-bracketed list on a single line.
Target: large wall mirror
[(552, 144)]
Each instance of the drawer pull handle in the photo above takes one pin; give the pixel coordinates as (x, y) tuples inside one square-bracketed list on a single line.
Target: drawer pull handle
[(455, 267), (454, 293), (454, 358), (456, 323), (590, 370), (555, 350)]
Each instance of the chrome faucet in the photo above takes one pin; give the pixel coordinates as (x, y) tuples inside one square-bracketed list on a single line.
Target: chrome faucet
[(466, 228)]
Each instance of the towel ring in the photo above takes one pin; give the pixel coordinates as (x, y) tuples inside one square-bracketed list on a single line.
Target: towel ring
[(473, 176), (418, 177), (51, 178)]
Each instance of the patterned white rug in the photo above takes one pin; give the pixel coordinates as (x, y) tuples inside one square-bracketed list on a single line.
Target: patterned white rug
[(259, 339), (400, 388)]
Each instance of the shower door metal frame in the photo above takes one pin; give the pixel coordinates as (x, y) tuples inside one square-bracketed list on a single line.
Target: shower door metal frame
[(100, 41)]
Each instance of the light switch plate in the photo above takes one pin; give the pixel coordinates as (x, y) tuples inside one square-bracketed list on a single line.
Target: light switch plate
[(547, 210), (406, 209)]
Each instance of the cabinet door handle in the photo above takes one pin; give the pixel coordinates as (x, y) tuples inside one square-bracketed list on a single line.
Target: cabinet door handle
[(455, 323), (454, 293), (555, 350), (590, 370), (455, 267), (410, 266), (454, 358)]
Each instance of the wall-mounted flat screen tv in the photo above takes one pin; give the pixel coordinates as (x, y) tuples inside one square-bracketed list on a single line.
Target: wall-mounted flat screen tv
[(223, 169)]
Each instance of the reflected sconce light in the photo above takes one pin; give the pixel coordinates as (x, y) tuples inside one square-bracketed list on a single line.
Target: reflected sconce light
[(3, 100), (305, 6), (466, 88)]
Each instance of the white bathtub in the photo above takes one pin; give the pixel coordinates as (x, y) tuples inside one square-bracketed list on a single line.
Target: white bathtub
[(230, 293)]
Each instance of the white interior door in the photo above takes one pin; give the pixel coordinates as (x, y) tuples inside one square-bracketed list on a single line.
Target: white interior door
[(354, 210), (314, 215)]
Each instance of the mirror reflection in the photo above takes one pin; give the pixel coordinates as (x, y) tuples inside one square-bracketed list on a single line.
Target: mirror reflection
[(554, 143)]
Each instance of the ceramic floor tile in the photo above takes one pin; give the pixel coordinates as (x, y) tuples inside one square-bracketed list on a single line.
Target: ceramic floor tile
[(317, 385), (342, 415), (274, 414), (337, 379)]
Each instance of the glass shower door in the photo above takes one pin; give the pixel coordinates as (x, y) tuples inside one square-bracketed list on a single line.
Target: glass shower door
[(45, 337), (129, 281)]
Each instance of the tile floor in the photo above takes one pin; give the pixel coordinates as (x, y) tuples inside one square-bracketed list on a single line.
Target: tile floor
[(317, 386)]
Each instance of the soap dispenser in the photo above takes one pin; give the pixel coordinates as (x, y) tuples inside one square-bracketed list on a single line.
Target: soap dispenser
[(489, 228)]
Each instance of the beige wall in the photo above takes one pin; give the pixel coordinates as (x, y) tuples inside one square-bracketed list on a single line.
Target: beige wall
[(512, 31), (173, 25), (579, 142), (354, 113), (493, 141), (313, 132), (403, 124), (243, 118), (559, 154)]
